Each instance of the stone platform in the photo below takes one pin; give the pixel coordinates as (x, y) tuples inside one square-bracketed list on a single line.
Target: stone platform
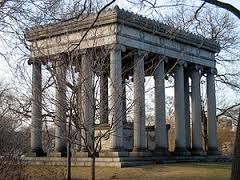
[(123, 161)]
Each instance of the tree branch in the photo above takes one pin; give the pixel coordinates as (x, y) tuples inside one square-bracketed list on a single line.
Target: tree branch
[(225, 6)]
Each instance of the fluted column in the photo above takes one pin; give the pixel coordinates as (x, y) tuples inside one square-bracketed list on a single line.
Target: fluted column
[(116, 114), (36, 128), (87, 101), (160, 122), (124, 105), (61, 107), (103, 98), (180, 141), (79, 122), (139, 102), (211, 112), (197, 148), (187, 110)]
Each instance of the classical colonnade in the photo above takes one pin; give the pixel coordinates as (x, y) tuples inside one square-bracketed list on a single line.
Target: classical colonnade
[(188, 139)]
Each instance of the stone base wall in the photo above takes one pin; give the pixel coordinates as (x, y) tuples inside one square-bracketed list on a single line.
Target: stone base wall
[(128, 138)]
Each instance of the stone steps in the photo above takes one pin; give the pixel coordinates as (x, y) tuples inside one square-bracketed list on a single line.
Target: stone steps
[(123, 161)]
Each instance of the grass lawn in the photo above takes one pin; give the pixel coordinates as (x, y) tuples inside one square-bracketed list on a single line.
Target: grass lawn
[(181, 171)]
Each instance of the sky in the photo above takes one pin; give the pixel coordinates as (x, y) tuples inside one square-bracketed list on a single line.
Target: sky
[(235, 3), (6, 72)]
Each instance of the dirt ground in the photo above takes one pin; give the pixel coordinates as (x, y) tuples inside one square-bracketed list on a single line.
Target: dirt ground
[(181, 171)]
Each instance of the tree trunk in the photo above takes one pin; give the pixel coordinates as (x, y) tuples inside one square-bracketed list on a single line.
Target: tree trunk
[(69, 173), (69, 161), (93, 166), (204, 132), (236, 155)]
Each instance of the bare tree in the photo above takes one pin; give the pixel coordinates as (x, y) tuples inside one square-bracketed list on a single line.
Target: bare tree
[(14, 137)]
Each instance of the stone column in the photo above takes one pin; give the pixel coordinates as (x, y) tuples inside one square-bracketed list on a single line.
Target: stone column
[(211, 113), (139, 102), (61, 107), (197, 148), (180, 141), (161, 144), (87, 101), (79, 107), (124, 105), (116, 114), (187, 110), (36, 129), (103, 98)]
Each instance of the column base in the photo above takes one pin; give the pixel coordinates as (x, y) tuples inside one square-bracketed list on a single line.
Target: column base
[(161, 151), (140, 154), (114, 154), (37, 153), (213, 151), (83, 149), (137, 149), (189, 149), (117, 149), (81, 154), (198, 152), (59, 152), (179, 151)]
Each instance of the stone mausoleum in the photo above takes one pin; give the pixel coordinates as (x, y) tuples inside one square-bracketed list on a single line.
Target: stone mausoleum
[(136, 47)]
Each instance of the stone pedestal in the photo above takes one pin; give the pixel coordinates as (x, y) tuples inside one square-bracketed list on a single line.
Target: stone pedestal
[(113, 154)]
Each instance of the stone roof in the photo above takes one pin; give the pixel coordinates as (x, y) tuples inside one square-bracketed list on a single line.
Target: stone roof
[(121, 16)]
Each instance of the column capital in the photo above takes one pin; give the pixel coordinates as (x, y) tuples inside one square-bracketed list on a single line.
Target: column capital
[(83, 52), (196, 68), (118, 47), (182, 63), (166, 60), (139, 53), (38, 61), (211, 71)]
